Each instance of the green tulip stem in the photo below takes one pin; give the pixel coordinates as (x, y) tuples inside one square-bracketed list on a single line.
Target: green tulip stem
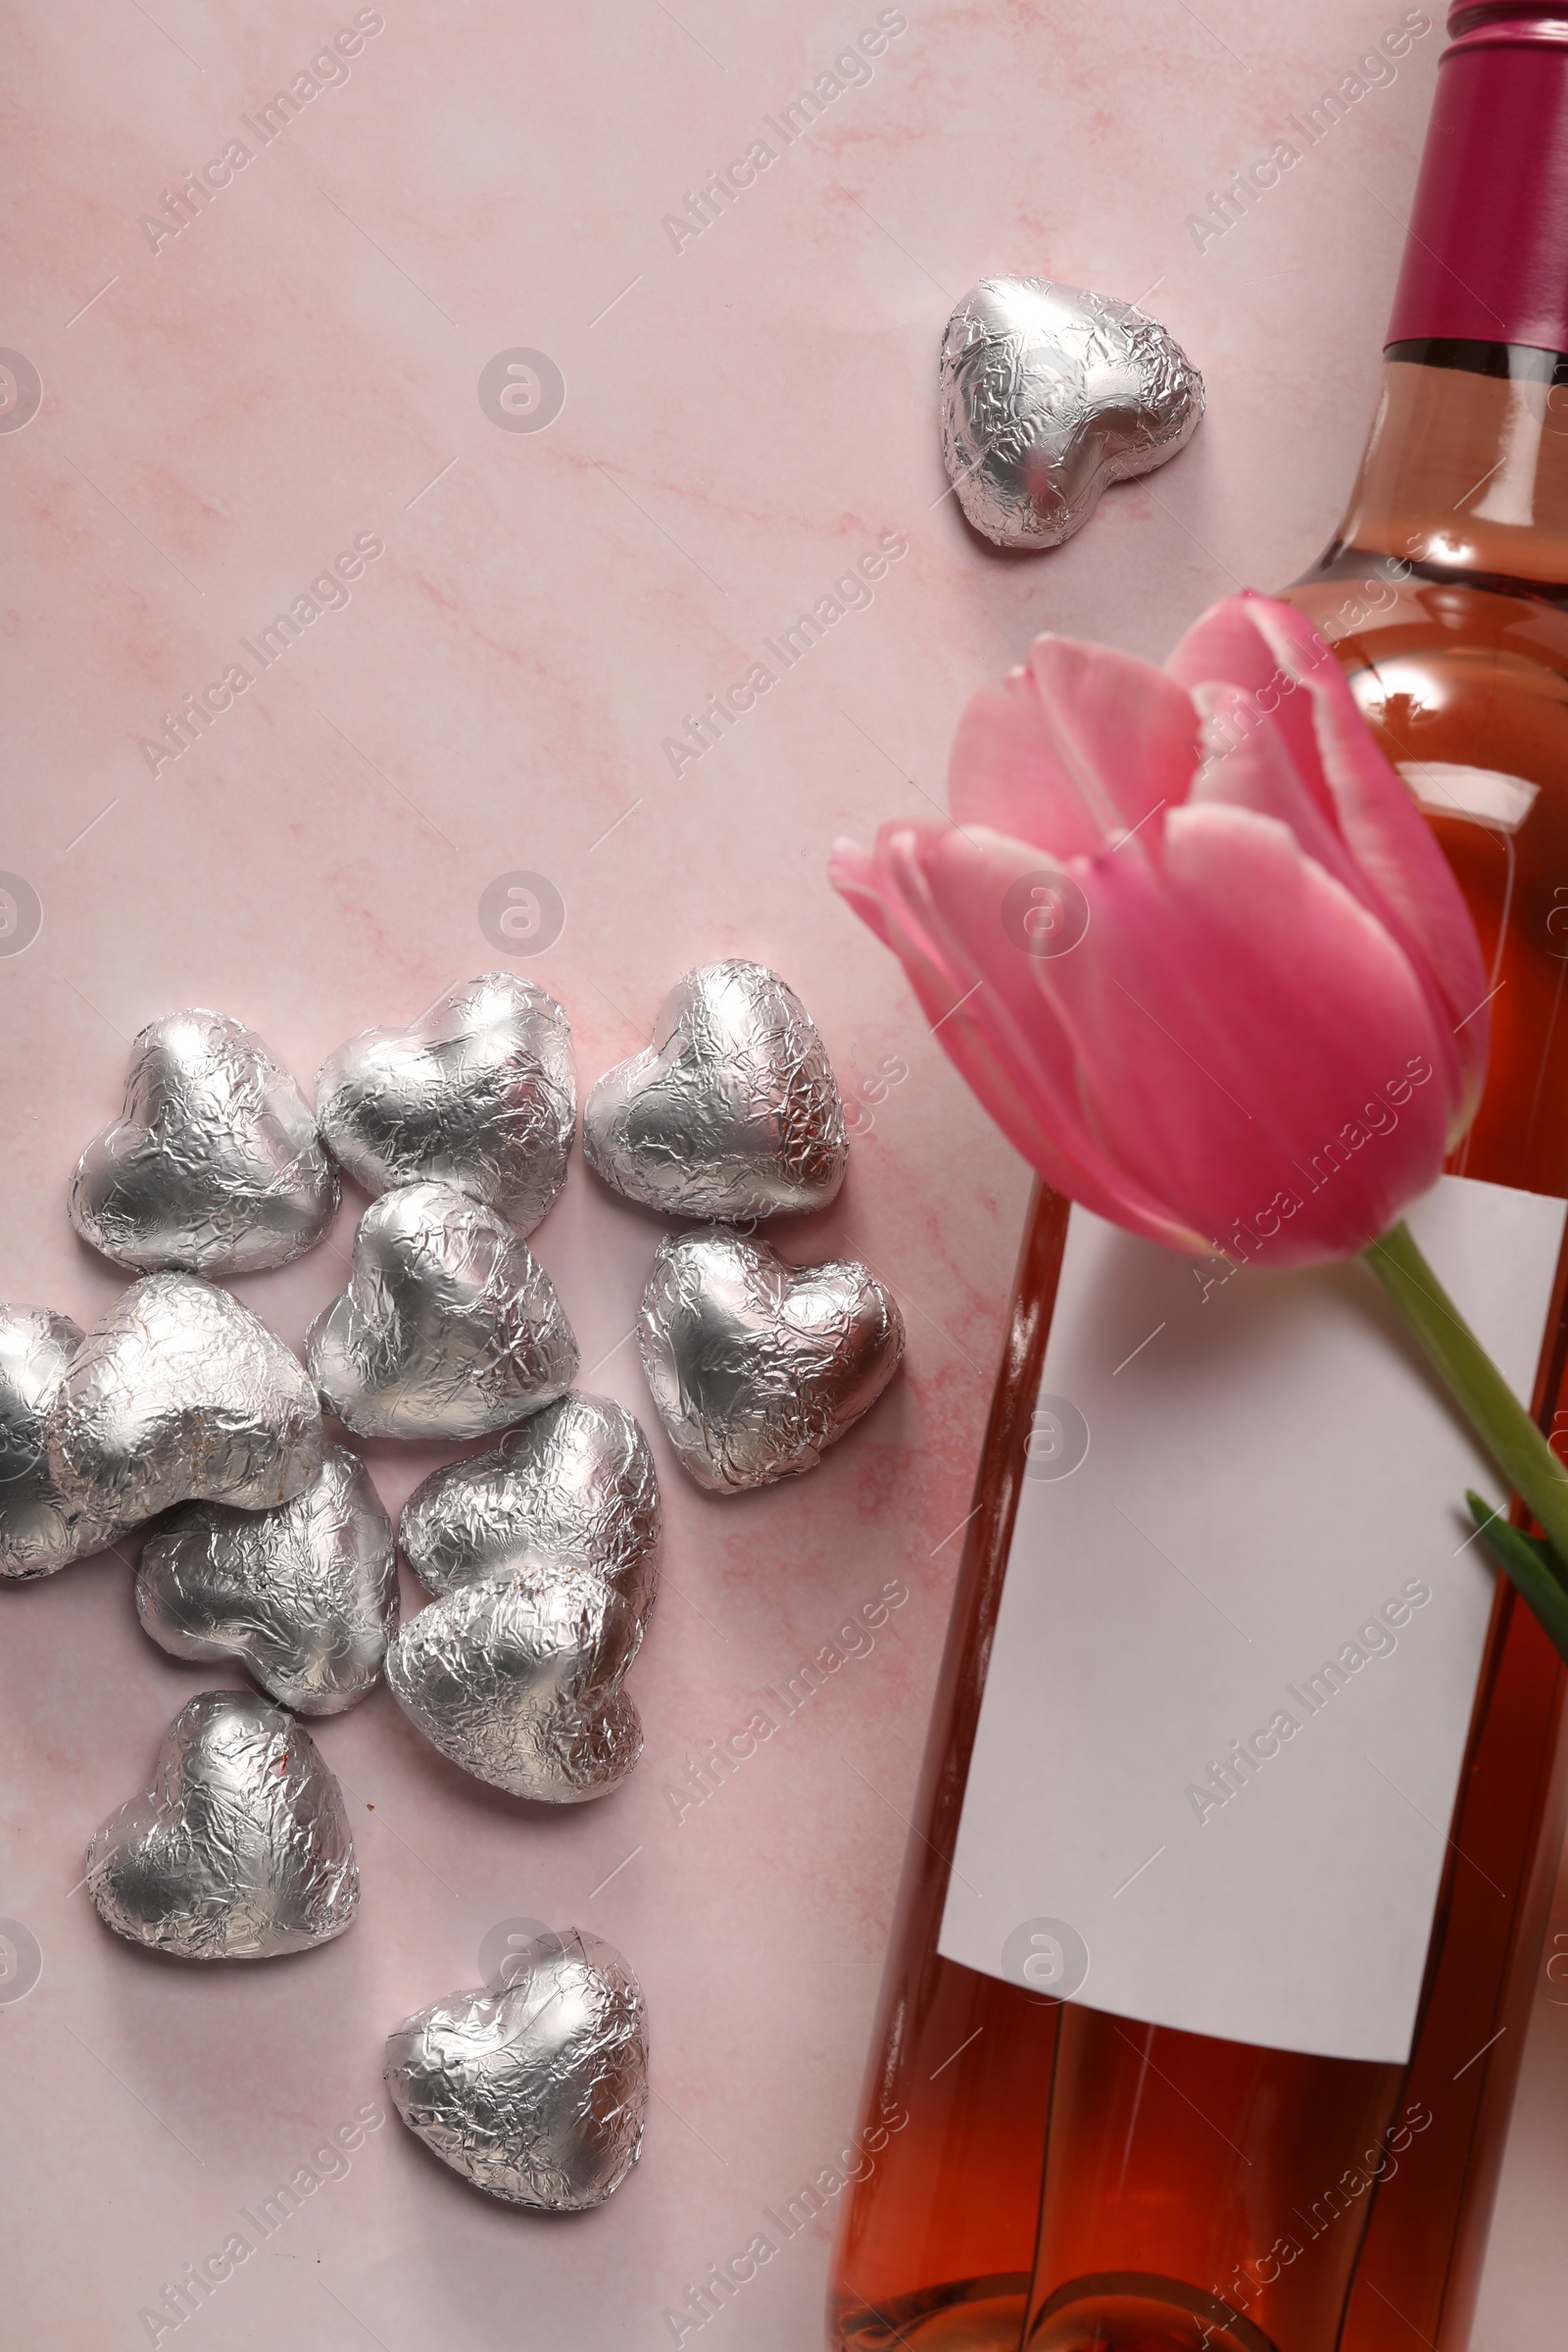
[(1505, 1427)]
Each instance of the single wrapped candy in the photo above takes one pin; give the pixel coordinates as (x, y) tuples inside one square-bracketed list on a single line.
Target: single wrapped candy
[(40, 1528), (181, 1395), (1048, 394), (449, 1327), (575, 1485), (305, 1596), (517, 1678), (213, 1163), (755, 1366), (733, 1111), (240, 1850), (481, 1092), (537, 2093)]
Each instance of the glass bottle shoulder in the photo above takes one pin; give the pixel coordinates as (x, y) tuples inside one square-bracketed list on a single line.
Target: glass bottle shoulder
[(1437, 658), (1464, 681)]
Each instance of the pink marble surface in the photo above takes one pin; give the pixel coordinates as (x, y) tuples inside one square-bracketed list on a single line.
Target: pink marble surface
[(222, 413)]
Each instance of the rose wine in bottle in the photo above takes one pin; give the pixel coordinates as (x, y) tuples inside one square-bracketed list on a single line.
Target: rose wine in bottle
[(1064, 2179)]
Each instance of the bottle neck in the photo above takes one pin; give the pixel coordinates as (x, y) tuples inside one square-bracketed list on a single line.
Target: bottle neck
[(1465, 474), (1487, 259)]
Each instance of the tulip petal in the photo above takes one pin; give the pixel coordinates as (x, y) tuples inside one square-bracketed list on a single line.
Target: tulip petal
[(1257, 773), (937, 897), (1391, 839), (1248, 1032), (1228, 643), (1267, 1026), (857, 877), (1082, 746), (1004, 774), (1273, 653)]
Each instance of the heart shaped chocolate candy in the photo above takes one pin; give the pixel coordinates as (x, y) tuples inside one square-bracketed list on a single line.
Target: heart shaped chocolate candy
[(449, 1327), (536, 2094), (41, 1531), (517, 1678), (1048, 394), (240, 1850), (305, 1596), (179, 1393), (732, 1112), (573, 1486), (213, 1164), (481, 1092), (755, 1366)]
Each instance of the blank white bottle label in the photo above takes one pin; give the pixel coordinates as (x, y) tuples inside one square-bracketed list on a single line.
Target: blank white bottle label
[(1238, 1639)]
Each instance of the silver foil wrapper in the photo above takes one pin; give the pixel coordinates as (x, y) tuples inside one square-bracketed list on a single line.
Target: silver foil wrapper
[(538, 2093), (733, 1110), (1048, 394), (449, 1327), (240, 1850), (180, 1394), (214, 1163), (41, 1529), (306, 1596), (574, 1486), (518, 1680), (481, 1092), (756, 1366)]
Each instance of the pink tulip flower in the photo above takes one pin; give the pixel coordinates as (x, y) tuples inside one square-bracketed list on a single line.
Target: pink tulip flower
[(1191, 942)]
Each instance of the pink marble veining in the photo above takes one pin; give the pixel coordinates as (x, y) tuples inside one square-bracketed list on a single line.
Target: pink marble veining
[(748, 408)]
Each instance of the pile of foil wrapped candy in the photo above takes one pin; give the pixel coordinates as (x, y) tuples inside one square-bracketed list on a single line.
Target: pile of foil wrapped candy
[(263, 1541)]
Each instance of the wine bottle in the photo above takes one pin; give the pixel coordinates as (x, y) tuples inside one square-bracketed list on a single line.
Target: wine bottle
[(1056, 2157)]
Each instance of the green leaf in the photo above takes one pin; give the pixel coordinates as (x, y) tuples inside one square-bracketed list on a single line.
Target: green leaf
[(1531, 1566)]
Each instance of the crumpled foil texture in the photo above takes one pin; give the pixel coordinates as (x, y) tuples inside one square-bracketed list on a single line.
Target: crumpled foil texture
[(240, 1850), (181, 1395), (733, 1111), (756, 1366), (214, 1165), (573, 1486), (538, 2093), (1049, 392), (481, 1092), (517, 1678), (306, 1596), (40, 1528), (449, 1327)]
